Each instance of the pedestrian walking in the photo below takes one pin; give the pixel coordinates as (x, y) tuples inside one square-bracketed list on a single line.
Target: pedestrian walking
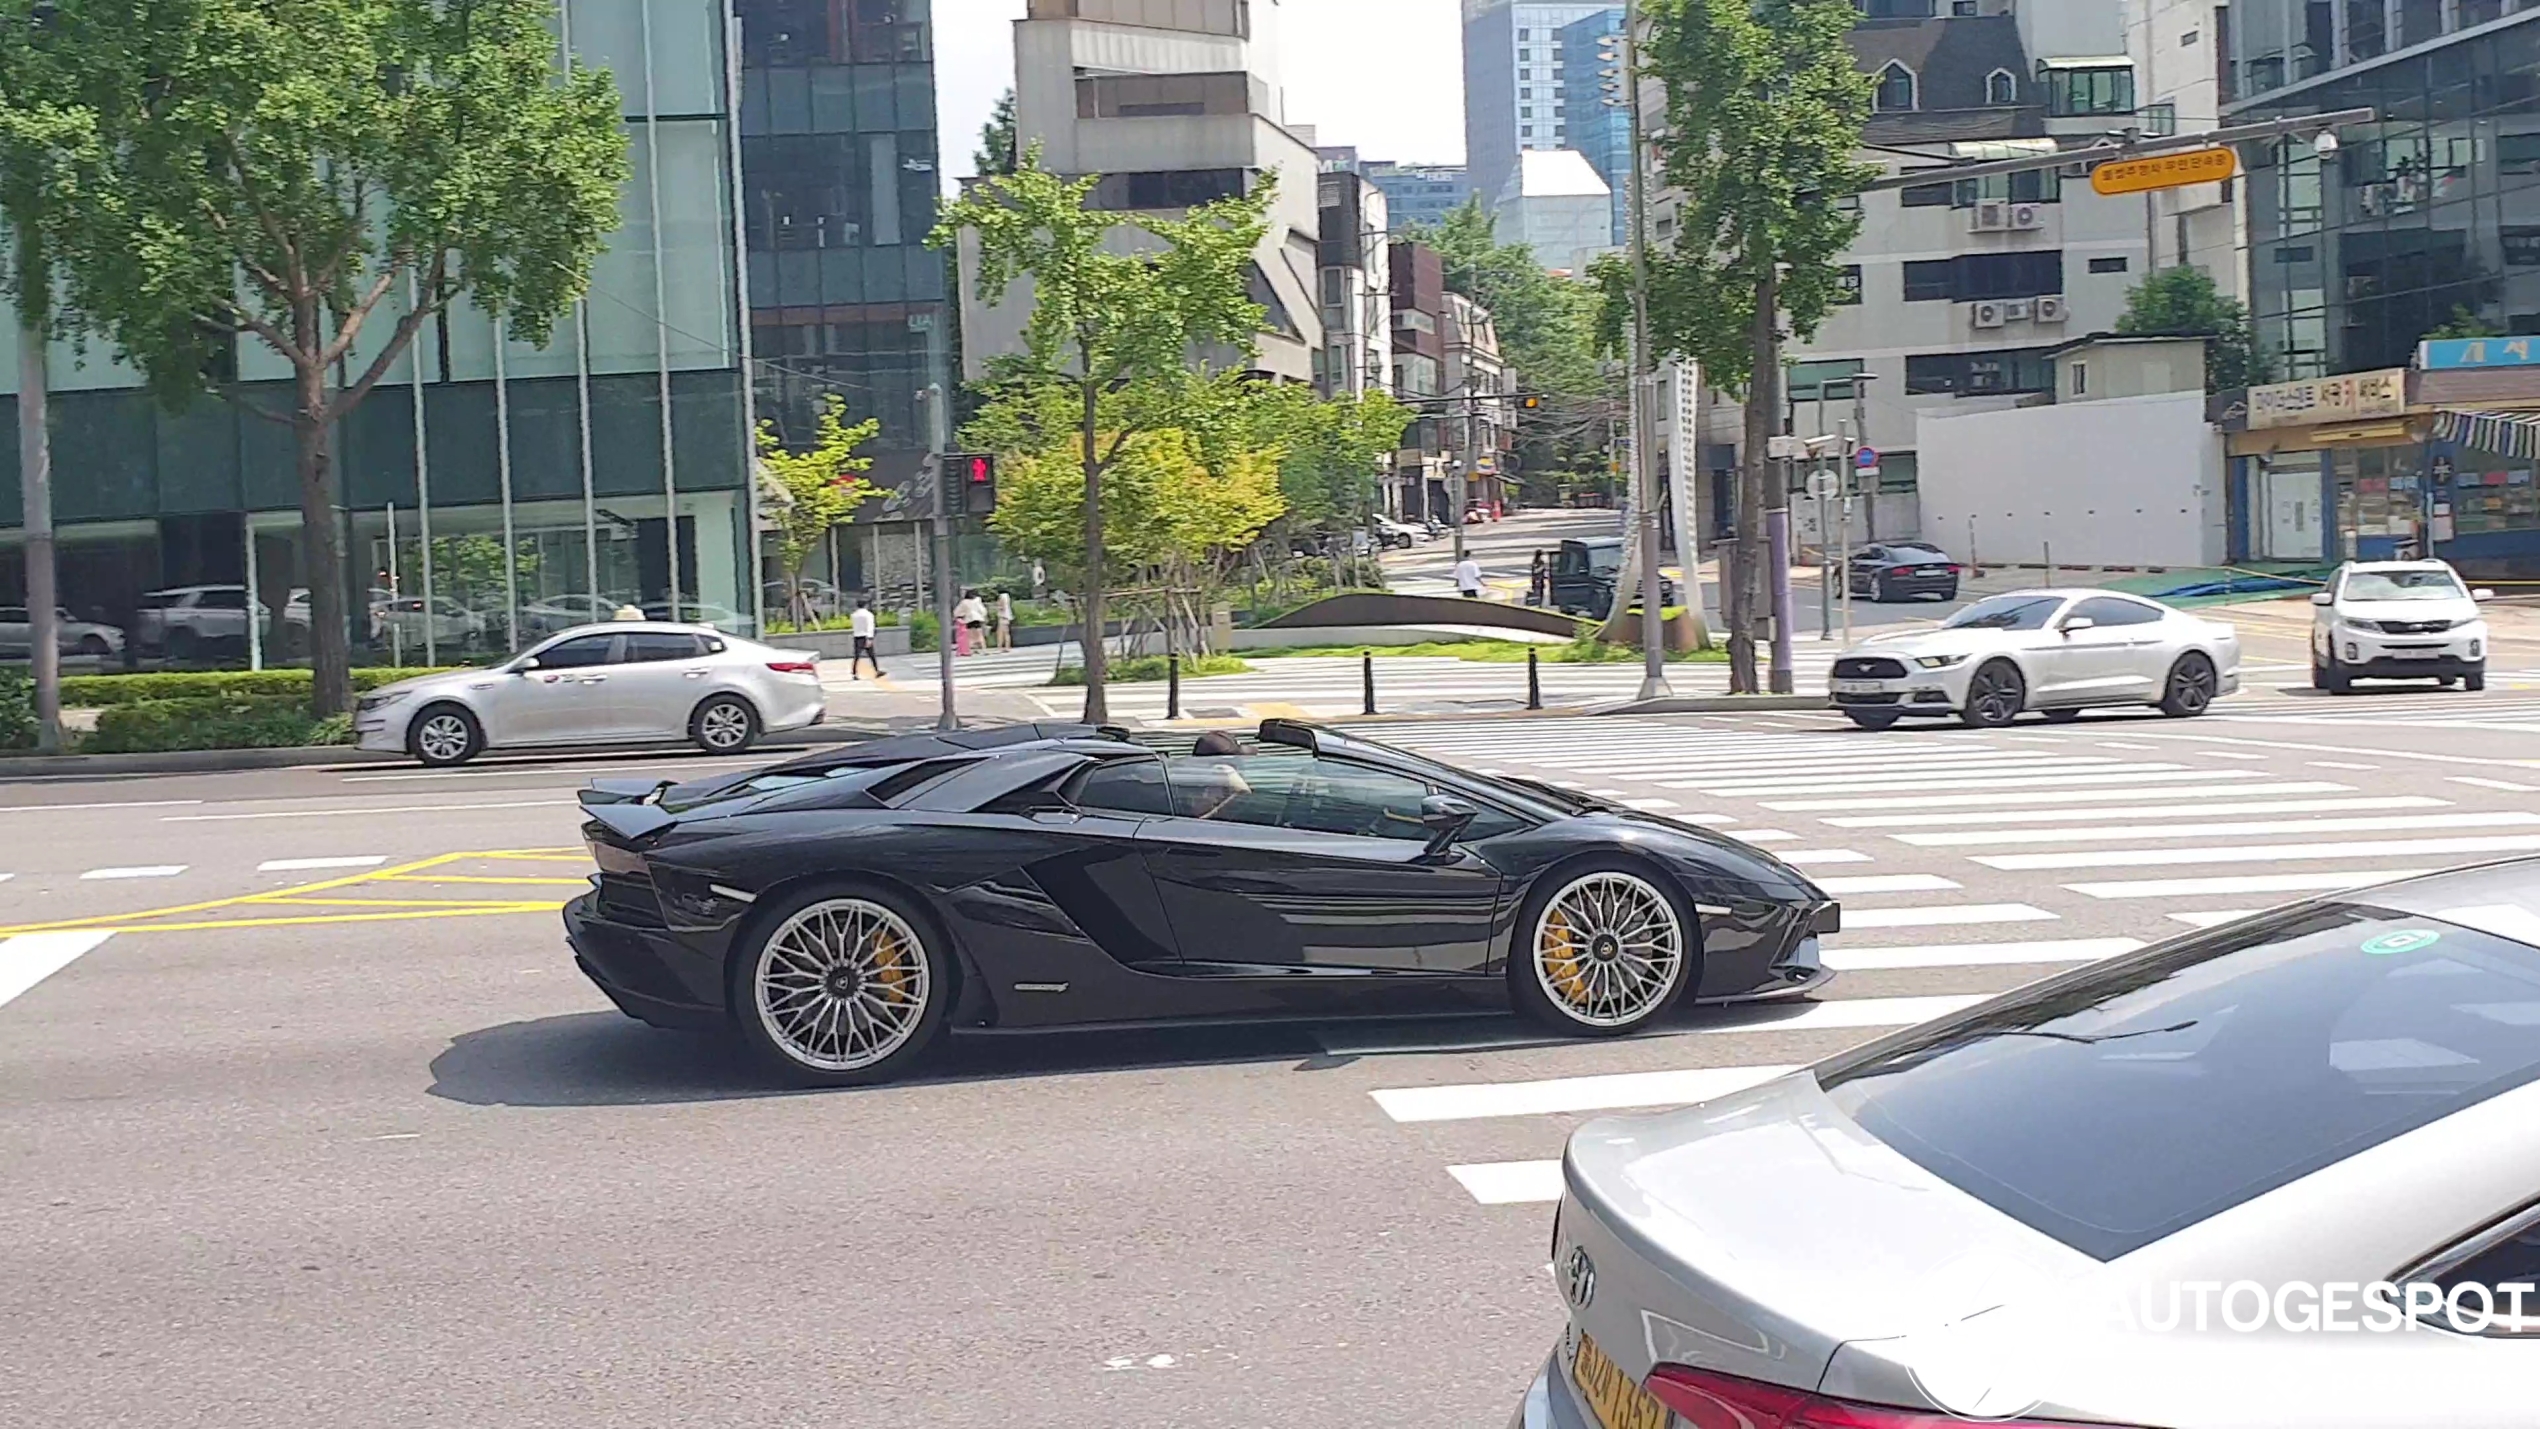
[(1005, 620), (860, 625), (969, 617), (1538, 574), (1468, 578), (1040, 580)]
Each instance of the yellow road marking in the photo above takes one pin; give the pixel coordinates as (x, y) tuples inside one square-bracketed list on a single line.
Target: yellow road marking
[(307, 895), (473, 878), (317, 918), (393, 903)]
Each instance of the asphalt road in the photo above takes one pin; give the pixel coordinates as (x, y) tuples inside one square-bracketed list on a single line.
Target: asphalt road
[(373, 1153)]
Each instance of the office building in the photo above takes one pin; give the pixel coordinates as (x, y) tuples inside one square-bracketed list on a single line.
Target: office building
[(513, 487), (1600, 128), (1517, 95), (1420, 195), (1559, 207)]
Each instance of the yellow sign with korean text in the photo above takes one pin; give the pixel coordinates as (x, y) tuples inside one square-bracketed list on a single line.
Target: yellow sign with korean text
[(2165, 171)]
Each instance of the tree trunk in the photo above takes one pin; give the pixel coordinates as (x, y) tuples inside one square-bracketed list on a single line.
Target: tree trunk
[(321, 535), (35, 460), (1763, 413), (1097, 706)]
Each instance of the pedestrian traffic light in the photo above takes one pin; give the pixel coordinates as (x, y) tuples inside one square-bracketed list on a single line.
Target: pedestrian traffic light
[(974, 476), (1532, 402)]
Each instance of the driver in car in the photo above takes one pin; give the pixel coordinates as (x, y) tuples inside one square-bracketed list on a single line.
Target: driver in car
[(1210, 775)]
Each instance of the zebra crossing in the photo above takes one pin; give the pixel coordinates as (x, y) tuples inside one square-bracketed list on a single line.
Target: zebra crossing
[(1968, 862)]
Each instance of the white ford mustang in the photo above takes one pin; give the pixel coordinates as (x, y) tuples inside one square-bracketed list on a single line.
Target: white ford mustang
[(2058, 651)]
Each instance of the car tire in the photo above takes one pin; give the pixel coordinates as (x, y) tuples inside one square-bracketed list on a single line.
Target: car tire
[(2319, 674), (443, 736), (801, 966), (2063, 716), (1873, 719), (2334, 679), (1568, 969), (1995, 696), (2475, 680), (1880, 593), (94, 647), (723, 724), (183, 645), (2192, 686)]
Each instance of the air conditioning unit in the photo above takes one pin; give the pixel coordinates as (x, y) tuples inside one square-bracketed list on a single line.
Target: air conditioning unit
[(1988, 314), (1992, 215), (2015, 310), (2052, 310), (2027, 217)]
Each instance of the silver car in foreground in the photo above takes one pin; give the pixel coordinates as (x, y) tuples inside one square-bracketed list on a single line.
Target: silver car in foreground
[(2280, 1172), (624, 682), (2059, 651)]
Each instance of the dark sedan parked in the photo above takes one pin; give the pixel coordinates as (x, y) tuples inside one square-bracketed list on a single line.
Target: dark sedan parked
[(845, 909), (1900, 570)]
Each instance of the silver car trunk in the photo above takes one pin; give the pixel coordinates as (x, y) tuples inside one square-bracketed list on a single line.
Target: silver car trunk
[(1754, 1234)]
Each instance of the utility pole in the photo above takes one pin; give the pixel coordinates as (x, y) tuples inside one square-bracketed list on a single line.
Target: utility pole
[(939, 440), (1653, 626), (35, 472)]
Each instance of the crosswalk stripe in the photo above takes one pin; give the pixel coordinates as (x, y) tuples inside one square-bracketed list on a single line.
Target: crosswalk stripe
[(1808, 857), (1964, 837), (1475, 1100), (2259, 853), (1511, 1183), (152, 870), (2202, 790), (1976, 955), (2256, 883), (2507, 785), (30, 958), (2130, 811), (297, 865), (1887, 883), (1964, 784), (2214, 918), (1962, 913)]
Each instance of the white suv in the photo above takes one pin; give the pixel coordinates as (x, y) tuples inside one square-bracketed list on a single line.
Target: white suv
[(2397, 620)]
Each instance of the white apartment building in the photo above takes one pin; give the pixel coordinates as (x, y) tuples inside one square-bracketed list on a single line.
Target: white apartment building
[(2179, 52), (1357, 287), (1479, 439), (1174, 103)]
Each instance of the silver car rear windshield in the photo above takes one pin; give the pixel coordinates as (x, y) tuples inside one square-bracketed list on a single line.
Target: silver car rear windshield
[(2115, 1106)]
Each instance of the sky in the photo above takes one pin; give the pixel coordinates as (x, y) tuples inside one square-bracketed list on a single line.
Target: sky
[(1385, 75)]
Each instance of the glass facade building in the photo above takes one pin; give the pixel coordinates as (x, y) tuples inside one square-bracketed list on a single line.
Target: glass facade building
[(492, 490), (1598, 129)]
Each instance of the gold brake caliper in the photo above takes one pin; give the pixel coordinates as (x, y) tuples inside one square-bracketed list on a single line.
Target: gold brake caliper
[(896, 973), (1563, 959)]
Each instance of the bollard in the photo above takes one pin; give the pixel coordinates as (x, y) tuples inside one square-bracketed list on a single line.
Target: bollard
[(1534, 682), (1173, 686), (1367, 682)]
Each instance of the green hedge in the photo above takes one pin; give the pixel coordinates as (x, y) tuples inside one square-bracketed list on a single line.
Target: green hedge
[(17, 710), (220, 722), (1145, 669), (105, 691)]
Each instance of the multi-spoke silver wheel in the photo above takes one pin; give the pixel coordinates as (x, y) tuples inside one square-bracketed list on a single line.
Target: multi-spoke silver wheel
[(724, 724), (444, 737), (1608, 949), (842, 985)]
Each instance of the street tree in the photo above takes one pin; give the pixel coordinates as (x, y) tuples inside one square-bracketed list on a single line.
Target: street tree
[(2183, 302), (1127, 310), (303, 173), (1546, 323), (1000, 143), (812, 491), (1331, 451), (1765, 107)]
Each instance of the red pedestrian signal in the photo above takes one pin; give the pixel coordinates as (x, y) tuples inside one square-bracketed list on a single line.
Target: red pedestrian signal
[(976, 475)]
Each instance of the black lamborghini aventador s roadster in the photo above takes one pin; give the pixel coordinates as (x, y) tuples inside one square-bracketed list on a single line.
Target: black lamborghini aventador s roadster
[(844, 909)]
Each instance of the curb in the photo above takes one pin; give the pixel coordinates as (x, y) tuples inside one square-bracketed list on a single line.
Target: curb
[(1720, 704), (222, 761)]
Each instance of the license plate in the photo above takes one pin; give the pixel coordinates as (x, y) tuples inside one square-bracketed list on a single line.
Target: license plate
[(1614, 1397), (1858, 687), (2418, 654)]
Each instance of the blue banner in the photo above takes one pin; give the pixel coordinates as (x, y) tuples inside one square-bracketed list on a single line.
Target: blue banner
[(2442, 354)]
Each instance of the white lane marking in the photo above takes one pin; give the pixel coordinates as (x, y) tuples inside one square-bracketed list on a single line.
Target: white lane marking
[(1510, 1183), (1888, 883), (2132, 811), (147, 870), (1762, 836), (1963, 913), (74, 808), (2114, 744), (1653, 806), (2507, 785), (397, 809), (2259, 853), (2336, 764), (2349, 749), (2255, 883), (1842, 1012), (2215, 918), (531, 771), (1977, 955), (2078, 796), (1804, 857), (1963, 837), (2228, 754), (30, 958), (1472, 1101), (295, 865), (2025, 777)]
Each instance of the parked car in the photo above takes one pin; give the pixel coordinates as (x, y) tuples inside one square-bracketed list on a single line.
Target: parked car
[(833, 910), (2059, 651), (555, 613), (71, 635), (1583, 574), (2398, 620), (1898, 570), (2028, 1212), (820, 599), (625, 682), (1399, 535), (182, 621), (699, 612), (408, 618)]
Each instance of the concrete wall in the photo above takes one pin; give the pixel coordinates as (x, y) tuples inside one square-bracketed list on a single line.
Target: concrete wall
[(2135, 482)]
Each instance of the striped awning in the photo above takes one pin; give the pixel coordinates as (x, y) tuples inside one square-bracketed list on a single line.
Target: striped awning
[(2513, 434)]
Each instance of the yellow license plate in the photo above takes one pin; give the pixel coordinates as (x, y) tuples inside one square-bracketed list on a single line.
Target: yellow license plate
[(1617, 1399)]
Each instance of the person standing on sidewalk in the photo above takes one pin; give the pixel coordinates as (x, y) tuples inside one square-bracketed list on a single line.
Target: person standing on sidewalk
[(1005, 620), (1468, 578), (1538, 575), (971, 616), (860, 625)]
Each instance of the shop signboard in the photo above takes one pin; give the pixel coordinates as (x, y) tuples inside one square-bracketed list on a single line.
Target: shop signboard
[(2355, 396)]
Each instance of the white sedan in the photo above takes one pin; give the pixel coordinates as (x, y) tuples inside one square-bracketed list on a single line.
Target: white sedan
[(634, 682), (2398, 620), (2057, 651)]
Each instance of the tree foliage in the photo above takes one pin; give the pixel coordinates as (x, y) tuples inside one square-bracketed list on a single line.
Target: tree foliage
[(2183, 302), (815, 489), (1000, 142), (1331, 451), (1547, 324), (1129, 313), (290, 170)]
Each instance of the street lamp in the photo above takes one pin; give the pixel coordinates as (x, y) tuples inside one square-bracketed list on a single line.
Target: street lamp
[(1623, 51)]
